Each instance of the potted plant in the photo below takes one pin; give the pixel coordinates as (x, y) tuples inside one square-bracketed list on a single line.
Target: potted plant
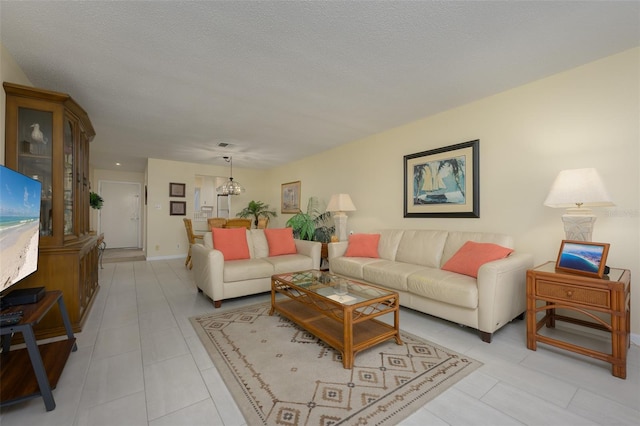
[(257, 209), (95, 201), (313, 225)]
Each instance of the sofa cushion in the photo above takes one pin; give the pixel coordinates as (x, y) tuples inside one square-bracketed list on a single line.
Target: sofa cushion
[(289, 263), (472, 256), (280, 241), (389, 241), (444, 286), (247, 269), (456, 239), (259, 244), (352, 267), (363, 245), (389, 274), (421, 247), (231, 242)]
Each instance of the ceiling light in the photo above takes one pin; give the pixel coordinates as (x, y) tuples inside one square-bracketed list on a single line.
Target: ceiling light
[(230, 187)]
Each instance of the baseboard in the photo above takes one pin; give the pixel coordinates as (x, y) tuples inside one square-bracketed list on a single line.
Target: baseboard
[(173, 256)]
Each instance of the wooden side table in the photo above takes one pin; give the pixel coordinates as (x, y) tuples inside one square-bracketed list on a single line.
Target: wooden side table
[(35, 370), (610, 295)]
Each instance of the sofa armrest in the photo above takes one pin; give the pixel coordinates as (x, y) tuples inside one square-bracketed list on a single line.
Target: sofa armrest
[(337, 249), (502, 290), (208, 271), (311, 249)]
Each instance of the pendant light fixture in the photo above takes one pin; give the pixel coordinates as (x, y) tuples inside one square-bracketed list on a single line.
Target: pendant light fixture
[(230, 187)]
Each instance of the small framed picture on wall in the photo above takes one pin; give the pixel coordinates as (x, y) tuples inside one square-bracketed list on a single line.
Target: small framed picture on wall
[(177, 189), (178, 208)]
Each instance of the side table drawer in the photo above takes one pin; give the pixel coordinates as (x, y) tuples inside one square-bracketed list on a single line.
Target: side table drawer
[(569, 293)]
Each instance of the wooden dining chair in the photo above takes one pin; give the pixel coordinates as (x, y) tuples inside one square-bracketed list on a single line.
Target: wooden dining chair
[(192, 240), (216, 222), (238, 223)]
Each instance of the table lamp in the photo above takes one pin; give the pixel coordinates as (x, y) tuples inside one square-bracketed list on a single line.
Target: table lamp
[(339, 204), (577, 190)]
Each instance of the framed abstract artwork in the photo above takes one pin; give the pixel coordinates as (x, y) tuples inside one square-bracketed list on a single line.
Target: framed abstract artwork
[(290, 197), (177, 208), (176, 189), (583, 258), (443, 182)]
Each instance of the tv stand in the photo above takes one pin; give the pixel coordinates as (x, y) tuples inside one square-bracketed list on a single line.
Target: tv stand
[(34, 371)]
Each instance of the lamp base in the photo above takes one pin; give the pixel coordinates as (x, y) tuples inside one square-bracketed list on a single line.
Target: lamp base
[(340, 220), (578, 227)]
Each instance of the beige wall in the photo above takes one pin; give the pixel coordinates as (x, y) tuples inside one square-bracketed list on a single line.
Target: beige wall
[(166, 236), (585, 117)]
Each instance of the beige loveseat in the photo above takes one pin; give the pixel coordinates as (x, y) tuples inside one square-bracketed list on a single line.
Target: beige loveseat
[(220, 279), (410, 263)]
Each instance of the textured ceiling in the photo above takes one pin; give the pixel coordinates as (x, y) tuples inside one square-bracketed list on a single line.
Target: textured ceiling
[(279, 81)]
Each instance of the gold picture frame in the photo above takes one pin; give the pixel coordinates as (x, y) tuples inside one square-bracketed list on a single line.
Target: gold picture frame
[(290, 197)]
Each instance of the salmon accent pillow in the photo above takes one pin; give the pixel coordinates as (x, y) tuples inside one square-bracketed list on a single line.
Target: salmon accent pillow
[(472, 256), (363, 245), (231, 242), (280, 241)]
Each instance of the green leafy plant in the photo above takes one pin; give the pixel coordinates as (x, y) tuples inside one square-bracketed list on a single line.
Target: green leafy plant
[(95, 201), (314, 225), (257, 209)]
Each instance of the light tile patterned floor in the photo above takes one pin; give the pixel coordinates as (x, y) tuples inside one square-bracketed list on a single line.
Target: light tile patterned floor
[(140, 363)]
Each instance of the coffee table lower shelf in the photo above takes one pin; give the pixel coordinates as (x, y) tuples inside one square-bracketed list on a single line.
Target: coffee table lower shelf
[(364, 334)]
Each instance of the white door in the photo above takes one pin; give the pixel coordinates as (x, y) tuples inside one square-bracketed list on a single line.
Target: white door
[(120, 215)]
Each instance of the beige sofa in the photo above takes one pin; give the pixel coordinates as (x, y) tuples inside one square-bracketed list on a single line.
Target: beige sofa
[(234, 278), (410, 263)]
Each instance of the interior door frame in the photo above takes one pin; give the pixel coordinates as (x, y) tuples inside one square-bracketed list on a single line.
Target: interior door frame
[(140, 207)]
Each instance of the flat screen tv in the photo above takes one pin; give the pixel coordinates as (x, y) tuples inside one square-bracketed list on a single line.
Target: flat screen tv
[(19, 226)]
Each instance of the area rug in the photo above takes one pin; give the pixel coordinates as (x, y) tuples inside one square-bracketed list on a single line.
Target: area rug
[(279, 374)]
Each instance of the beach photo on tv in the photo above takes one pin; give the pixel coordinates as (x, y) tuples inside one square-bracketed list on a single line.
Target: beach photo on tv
[(19, 226), (581, 257)]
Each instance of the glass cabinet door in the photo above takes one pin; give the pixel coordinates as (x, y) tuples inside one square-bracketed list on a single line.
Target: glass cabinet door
[(35, 129), (68, 179)]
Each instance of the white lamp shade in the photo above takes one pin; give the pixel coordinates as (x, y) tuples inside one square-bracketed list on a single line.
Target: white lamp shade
[(341, 203), (577, 188)]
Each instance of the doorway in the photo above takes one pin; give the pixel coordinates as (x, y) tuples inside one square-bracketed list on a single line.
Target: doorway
[(119, 218)]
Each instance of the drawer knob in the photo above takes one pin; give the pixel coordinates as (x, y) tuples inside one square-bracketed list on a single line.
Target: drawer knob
[(569, 293)]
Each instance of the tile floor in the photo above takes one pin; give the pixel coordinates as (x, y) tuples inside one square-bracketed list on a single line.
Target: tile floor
[(139, 362)]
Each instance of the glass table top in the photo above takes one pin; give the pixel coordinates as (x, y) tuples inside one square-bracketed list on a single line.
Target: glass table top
[(335, 287)]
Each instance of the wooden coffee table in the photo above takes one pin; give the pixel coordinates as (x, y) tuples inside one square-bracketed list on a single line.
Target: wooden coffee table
[(347, 323)]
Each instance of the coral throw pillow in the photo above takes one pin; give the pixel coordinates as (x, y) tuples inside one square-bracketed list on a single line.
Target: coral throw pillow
[(472, 256), (231, 242), (280, 241), (363, 245)]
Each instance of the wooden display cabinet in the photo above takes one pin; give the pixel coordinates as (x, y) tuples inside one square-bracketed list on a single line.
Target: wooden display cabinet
[(47, 137)]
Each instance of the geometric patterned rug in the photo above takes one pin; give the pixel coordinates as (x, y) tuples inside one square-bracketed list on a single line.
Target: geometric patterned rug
[(279, 374)]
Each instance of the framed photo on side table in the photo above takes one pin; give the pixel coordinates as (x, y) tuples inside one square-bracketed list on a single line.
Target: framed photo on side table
[(583, 258)]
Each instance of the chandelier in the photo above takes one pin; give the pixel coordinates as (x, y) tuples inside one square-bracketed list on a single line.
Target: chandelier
[(230, 187)]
